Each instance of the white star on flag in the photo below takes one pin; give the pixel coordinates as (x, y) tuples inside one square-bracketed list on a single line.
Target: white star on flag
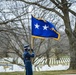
[(45, 27), (37, 26)]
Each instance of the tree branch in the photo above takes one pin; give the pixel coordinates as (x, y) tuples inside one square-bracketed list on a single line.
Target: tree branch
[(71, 11), (57, 4), (5, 22), (49, 9)]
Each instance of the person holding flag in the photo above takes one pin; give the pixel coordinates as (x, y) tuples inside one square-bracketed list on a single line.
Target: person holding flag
[(27, 59), (40, 29)]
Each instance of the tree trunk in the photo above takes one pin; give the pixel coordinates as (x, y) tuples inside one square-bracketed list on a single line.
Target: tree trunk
[(71, 38), (47, 56), (72, 43), (47, 52), (73, 54)]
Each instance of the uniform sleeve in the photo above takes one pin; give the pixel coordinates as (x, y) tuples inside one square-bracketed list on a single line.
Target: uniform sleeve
[(24, 57), (31, 54)]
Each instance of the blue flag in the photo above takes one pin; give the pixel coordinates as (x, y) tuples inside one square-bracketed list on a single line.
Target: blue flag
[(44, 29)]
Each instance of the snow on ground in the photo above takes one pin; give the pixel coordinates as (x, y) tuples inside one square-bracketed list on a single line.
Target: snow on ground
[(2, 69), (44, 68), (58, 67), (11, 69), (41, 67)]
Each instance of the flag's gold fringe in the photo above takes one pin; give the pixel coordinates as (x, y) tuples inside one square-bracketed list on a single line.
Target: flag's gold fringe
[(39, 18), (38, 37), (58, 36), (44, 38), (55, 32)]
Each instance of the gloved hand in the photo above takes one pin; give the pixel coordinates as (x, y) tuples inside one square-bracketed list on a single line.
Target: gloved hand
[(32, 50)]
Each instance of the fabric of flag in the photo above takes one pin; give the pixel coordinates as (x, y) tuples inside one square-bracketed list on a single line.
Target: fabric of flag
[(43, 29)]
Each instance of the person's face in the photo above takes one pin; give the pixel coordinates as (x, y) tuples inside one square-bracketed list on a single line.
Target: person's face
[(26, 49)]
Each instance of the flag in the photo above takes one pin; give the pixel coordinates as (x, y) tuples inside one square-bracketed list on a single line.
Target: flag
[(43, 29)]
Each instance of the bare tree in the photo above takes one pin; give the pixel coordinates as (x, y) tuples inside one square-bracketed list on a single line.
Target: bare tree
[(65, 7), (17, 28)]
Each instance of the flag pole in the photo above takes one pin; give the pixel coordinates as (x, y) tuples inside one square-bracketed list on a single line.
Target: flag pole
[(32, 42), (32, 47)]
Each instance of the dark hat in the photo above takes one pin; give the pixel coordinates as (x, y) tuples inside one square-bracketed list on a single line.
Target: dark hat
[(26, 46)]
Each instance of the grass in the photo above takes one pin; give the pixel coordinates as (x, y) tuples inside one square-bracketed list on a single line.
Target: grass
[(42, 73)]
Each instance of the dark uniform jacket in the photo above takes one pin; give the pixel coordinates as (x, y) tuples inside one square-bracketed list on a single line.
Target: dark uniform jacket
[(27, 62)]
